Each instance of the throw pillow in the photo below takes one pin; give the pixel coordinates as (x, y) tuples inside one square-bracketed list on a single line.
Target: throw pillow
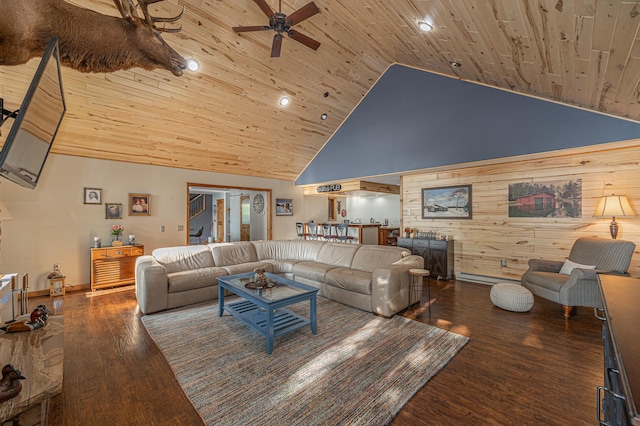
[(570, 266)]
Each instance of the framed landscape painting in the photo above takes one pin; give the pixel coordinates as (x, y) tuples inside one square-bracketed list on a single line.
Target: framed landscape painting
[(284, 207), (554, 199), (447, 202)]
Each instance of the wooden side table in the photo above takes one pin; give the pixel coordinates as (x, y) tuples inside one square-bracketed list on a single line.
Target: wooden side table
[(416, 286), (114, 266), (56, 286)]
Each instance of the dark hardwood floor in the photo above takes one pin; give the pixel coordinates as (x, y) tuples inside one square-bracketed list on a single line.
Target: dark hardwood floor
[(532, 368)]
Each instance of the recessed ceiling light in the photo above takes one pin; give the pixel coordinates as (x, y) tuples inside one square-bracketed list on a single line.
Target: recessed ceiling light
[(425, 26), (455, 64), (193, 65), (284, 101), (324, 116)]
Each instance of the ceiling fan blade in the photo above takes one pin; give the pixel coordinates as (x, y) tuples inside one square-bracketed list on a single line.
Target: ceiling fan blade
[(306, 40), (277, 45), (262, 4), (303, 13), (254, 28)]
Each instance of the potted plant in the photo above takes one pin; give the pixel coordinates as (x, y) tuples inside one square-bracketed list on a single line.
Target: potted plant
[(116, 235)]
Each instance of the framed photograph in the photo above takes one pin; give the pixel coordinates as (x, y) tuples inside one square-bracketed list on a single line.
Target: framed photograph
[(93, 196), (284, 207), (139, 204), (554, 199), (448, 202), (114, 210)]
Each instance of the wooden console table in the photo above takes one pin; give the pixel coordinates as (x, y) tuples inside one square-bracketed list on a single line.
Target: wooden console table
[(438, 254), (114, 266), (619, 397)]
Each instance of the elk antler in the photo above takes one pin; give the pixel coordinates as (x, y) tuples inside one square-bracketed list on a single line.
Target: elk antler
[(128, 11)]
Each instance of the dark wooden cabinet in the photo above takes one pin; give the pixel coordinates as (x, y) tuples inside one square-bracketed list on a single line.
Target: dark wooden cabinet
[(621, 335), (437, 254), (387, 236)]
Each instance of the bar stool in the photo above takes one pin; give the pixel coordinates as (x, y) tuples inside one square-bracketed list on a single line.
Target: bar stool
[(416, 286), (326, 231), (312, 231), (342, 232)]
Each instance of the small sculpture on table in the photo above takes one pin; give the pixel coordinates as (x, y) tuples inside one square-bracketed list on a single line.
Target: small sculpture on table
[(260, 280), (35, 321), (259, 277), (10, 384)]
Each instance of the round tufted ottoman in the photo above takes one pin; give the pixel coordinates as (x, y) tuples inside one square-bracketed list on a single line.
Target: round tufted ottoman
[(511, 297)]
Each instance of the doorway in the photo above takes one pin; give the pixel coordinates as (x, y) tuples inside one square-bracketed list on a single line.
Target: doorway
[(245, 218), (229, 213)]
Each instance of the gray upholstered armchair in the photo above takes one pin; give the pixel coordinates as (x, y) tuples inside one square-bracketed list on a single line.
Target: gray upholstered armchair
[(578, 286)]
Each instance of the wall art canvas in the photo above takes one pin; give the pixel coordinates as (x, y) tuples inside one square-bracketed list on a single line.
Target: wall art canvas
[(284, 207), (449, 202), (114, 210), (139, 205), (559, 198), (93, 196)]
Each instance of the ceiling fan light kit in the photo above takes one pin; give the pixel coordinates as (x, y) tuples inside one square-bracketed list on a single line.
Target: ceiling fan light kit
[(193, 65), (281, 24), (425, 26)]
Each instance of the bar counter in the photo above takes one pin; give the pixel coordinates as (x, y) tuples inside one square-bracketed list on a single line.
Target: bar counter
[(362, 233)]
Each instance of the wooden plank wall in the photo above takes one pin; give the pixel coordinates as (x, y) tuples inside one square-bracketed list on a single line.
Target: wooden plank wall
[(491, 235)]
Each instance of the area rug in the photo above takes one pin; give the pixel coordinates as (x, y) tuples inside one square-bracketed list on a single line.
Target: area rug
[(359, 369)]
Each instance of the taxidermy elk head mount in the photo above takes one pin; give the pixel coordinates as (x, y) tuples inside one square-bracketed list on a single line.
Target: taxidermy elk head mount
[(89, 41)]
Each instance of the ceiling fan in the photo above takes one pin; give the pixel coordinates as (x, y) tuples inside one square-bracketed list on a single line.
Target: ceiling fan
[(281, 23)]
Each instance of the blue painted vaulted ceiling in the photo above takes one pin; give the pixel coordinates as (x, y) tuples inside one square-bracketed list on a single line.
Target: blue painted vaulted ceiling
[(413, 119)]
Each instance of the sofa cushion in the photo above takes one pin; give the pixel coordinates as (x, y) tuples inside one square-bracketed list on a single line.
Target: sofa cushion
[(337, 254), (607, 254), (185, 258), (281, 266), (569, 266), (368, 257), (294, 249), (248, 267), (312, 270), (549, 280), (197, 278), (350, 279), (225, 254)]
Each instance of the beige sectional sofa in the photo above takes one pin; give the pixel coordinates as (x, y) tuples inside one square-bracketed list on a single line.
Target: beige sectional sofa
[(367, 277)]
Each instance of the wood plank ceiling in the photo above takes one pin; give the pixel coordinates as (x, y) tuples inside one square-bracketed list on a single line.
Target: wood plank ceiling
[(226, 118)]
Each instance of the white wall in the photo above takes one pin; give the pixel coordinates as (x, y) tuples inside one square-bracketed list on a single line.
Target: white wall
[(378, 207), (258, 224), (52, 225)]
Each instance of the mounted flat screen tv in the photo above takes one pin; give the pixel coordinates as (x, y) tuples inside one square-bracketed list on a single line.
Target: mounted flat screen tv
[(36, 122)]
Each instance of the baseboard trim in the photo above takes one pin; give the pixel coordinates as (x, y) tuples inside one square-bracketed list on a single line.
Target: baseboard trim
[(484, 279), (68, 288)]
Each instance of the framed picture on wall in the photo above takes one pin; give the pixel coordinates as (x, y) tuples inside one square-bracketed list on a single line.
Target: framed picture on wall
[(113, 210), (139, 205), (93, 196), (553, 199), (284, 207), (447, 202)]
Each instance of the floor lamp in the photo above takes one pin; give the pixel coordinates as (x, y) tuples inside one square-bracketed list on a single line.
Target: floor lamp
[(612, 206)]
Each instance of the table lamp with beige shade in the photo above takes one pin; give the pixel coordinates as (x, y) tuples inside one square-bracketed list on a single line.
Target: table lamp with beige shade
[(612, 206)]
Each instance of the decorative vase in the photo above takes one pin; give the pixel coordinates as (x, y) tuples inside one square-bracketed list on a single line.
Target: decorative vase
[(116, 240)]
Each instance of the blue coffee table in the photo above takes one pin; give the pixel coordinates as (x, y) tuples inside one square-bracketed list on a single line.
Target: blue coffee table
[(265, 313)]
